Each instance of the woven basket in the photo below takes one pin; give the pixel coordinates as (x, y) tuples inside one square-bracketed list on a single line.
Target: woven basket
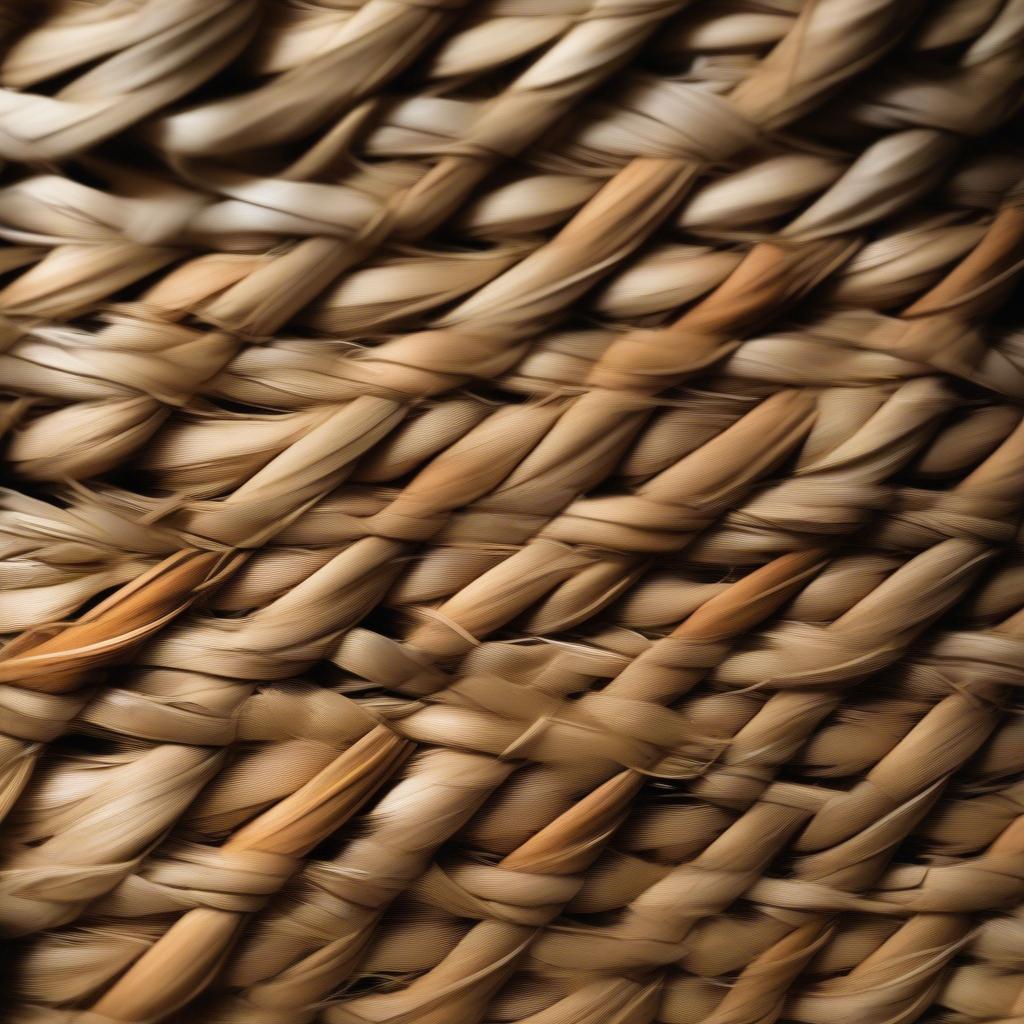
[(513, 511)]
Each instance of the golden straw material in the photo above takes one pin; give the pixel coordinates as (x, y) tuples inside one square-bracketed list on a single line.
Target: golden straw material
[(513, 511)]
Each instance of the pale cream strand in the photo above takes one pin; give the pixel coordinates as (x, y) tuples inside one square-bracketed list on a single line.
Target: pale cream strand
[(168, 51)]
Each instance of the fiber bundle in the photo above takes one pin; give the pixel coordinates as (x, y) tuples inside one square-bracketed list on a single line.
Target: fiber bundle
[(512, 511)]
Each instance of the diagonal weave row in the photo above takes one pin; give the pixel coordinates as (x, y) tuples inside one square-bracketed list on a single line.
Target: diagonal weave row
[(513, 511)]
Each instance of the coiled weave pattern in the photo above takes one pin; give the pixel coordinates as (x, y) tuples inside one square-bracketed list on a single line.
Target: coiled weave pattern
[(512, 511)]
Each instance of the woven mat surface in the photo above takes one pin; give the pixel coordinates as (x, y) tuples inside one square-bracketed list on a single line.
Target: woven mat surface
[(511, 511)]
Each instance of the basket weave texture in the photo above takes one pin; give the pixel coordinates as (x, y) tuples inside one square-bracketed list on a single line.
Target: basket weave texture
[(512, 511)]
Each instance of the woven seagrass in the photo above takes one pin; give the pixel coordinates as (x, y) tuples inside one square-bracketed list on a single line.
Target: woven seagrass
[(512, 511)]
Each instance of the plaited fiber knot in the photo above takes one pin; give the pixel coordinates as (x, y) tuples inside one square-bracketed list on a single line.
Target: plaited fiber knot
[(512, 512)]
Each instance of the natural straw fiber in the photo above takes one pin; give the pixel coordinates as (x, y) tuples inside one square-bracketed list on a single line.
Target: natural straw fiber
[(513, 511)]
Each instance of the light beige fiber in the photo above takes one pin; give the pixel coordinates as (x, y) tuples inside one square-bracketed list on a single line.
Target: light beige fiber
[(512, 511)]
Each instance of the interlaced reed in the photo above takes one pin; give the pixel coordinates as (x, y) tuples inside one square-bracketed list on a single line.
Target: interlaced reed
[(512, 511)]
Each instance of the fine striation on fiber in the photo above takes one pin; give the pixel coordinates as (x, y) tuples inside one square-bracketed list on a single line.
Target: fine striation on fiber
[(513, 511)]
